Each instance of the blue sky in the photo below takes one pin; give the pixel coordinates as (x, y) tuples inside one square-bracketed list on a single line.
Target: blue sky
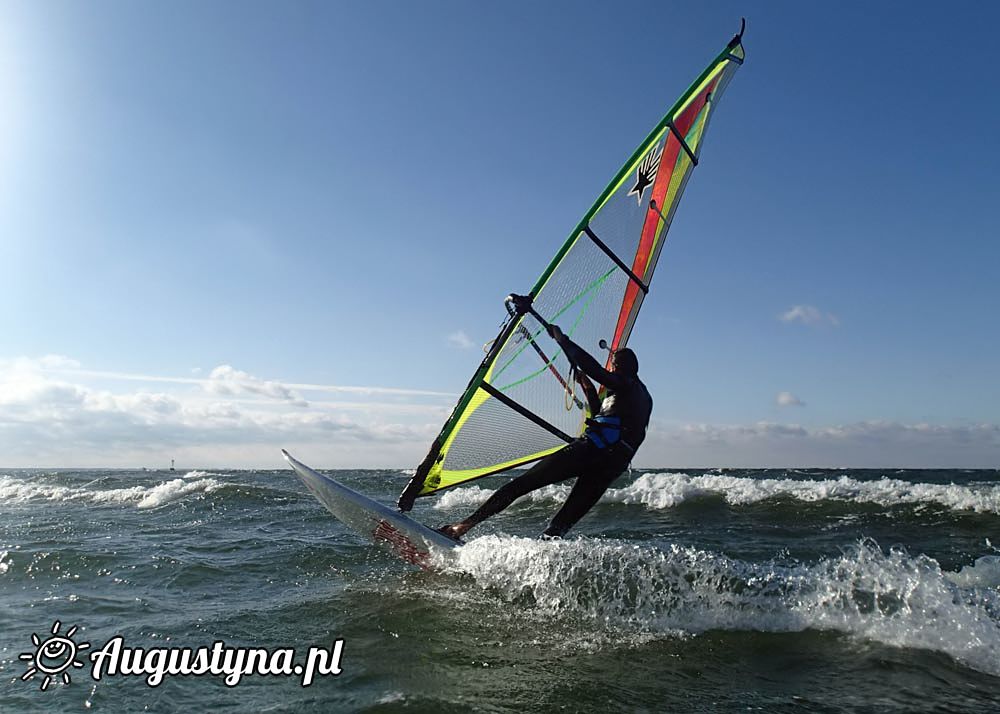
[(202, 204)]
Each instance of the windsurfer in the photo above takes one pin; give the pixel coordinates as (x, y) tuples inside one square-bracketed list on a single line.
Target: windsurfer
[(598, 457)]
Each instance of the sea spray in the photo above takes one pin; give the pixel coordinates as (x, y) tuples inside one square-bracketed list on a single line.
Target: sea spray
[(890, 597)]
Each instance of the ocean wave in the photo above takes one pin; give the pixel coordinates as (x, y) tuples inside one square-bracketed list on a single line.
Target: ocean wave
[(984, 573), (14, 490), (475, 495), (199, 474), (667, 490), (891, 598)]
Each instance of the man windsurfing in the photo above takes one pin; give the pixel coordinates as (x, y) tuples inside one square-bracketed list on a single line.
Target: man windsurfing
[(595, 459)]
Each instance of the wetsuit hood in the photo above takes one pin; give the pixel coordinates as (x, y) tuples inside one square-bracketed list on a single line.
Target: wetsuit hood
[(626, 362)]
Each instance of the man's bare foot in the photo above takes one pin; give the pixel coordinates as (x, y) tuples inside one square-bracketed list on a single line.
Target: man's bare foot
[(454, 530)]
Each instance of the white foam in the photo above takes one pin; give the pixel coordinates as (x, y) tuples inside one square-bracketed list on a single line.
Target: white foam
[(199, 474), (888, 597), (664, 490), (475, 495), (14, 490), (392, 698), (667, 490), (178, 488), (985, 573)]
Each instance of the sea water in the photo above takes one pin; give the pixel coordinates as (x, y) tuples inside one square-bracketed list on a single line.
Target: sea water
[(683, 590)]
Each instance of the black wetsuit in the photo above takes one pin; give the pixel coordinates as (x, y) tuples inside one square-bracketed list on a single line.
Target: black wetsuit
[(596, 459)]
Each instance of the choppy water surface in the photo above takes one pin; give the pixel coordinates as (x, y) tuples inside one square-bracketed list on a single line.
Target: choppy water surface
[(723, 590)]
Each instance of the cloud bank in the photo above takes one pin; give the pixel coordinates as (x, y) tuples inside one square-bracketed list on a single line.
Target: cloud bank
[(53, 415), (871, 444), (230, 419)]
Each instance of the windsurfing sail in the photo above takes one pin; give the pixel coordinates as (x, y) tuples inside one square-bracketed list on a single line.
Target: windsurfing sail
[(520, 405)]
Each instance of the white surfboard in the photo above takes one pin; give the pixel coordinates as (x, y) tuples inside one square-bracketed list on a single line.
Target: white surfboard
[(387, 527)]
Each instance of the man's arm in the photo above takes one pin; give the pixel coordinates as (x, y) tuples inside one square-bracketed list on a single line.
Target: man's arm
[(582, 359), (590, 392)]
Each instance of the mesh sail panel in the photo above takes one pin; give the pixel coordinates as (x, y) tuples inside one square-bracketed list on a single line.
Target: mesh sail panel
[(522, 403), (583, 295), (494, 434)]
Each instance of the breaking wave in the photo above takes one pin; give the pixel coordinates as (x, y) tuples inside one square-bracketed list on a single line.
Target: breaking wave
[(14, 490), (889, 597), (667, 490)]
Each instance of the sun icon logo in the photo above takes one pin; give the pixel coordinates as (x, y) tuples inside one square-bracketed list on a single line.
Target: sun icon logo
[(53, 656)]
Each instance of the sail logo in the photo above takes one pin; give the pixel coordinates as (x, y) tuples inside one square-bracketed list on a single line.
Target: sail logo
[(645, 173)]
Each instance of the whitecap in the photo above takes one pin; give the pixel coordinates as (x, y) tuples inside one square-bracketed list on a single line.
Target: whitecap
[(14, 490), (474, 496), (891, 598), (664, 490), (668, 490)]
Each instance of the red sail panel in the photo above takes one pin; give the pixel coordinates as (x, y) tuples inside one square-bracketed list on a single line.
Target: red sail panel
[(668, 162)]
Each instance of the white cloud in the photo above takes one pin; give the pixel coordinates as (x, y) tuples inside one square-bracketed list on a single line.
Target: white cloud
[(23, 384), (461, 340), (61, 418), (787, 399), (808, 315), (227, 381)]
